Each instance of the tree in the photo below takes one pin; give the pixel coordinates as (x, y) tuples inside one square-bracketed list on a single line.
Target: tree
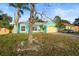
[(1, 17), (76, 22), (5, 20), (65, 21), (19, 10), (20, 7), (31, 22), (57, 20), (61, 24), (1, 12)]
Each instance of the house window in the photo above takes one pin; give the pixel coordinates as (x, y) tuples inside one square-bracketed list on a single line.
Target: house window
[(34, 28), (22, 28)]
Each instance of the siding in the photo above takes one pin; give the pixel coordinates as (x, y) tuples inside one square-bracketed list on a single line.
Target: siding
[(15, 29), (48, 27)]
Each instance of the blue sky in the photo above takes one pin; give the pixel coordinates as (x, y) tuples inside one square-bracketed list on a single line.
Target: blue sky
[(65, 11)]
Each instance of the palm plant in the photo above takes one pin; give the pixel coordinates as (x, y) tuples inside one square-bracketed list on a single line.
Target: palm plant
[(19, 10)]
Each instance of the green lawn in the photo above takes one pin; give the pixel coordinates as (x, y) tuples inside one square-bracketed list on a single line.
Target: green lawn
[(53, 44)]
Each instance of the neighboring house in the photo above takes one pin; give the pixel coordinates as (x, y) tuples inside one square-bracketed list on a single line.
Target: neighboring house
[(72, 27), (40, 26), (67, 26), (75, 28), (4, 31)]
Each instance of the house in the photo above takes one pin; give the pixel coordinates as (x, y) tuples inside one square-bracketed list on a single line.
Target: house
[(75, 28), (4, 31), (67, 25), (39, 26), (71, 27)]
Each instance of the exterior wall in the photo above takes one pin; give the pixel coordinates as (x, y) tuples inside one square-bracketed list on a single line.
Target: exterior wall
[(27, 28), (4, 31), (20, 28), (41, 30), (68, 27), (38, 29), (44, 29), (15, 29), (75, 28), (51, 29)]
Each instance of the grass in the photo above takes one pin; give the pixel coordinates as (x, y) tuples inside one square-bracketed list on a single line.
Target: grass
[(53, 45)]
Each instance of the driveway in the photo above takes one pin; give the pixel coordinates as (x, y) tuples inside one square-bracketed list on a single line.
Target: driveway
[(68, 34)]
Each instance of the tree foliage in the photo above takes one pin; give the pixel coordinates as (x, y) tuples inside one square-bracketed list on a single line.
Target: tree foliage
[(57, 20), (5, 20), (62, 23), (76, 22), (20, 7), (65, 21)]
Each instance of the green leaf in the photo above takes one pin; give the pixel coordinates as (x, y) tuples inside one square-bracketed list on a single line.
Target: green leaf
[(13, 5), (21, 11), (26, 8)]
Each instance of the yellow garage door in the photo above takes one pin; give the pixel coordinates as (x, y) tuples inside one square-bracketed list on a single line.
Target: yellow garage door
[(51, 29)]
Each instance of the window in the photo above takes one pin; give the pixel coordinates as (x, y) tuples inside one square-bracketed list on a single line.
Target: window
[(34, 28), (22, 28)]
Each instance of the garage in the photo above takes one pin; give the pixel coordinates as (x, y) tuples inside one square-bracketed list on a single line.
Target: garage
[(51, 29)]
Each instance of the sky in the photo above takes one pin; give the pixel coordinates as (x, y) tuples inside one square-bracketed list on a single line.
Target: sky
[(67, 11)]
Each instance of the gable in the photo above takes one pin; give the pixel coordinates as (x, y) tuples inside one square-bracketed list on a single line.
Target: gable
[(50, 23)]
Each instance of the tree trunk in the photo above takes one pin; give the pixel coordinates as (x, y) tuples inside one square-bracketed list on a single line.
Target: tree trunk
[(30, 37), (17, 28), (17, 19), (31, 22)]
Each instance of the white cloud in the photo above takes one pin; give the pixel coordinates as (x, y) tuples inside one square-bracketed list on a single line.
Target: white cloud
[(68, 14)]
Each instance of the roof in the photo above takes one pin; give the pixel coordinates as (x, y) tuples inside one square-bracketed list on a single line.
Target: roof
[(66, 24), (38, 21)]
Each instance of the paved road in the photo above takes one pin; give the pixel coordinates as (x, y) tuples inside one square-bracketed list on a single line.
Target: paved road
[(68, 34)]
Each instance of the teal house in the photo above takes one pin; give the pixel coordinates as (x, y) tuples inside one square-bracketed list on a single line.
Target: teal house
[(40, 26)]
